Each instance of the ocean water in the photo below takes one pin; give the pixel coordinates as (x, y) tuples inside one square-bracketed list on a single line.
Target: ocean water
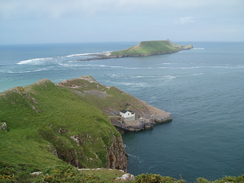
[(203, 89)]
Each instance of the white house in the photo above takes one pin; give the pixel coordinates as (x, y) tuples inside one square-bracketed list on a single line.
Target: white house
[(127, 115)]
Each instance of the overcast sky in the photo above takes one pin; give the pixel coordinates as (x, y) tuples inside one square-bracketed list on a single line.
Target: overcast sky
[(61, 21)]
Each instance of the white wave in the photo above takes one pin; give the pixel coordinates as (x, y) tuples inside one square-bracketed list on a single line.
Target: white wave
[(80, 54), (96, 65), (107, 53), (154, 77), (196, 67), (138, 68), (10, 72), (16, 72), (134, 84), (42, 69), (197, 74), (35, 61), (115, 75), (140, 76), (198, 48), (70, 65), (240, 67), (20, 71), (228, 67), (40, 61), (170, 77), (117, 67), (152, 99), (136, 157), (151, 167), (209, 67)]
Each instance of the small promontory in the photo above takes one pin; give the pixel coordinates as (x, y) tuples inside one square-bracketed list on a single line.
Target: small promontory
[(138, 115)]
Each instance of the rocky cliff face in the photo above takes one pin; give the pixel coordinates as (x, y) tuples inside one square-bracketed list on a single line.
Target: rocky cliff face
[(114, 157), (117, 157)]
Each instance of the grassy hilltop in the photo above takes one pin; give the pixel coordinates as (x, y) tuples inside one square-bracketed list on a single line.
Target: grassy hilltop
[(147, 48)]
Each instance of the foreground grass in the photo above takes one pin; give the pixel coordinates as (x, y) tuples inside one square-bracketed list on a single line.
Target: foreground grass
[(106, 174), (67, 173)]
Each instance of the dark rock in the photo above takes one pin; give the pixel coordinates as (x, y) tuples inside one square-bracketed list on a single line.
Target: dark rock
[(77, 139), (34, 101), (62, 130)]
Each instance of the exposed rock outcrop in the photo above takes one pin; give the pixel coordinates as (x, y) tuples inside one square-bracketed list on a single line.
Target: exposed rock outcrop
[(125, 177), (3, 127)]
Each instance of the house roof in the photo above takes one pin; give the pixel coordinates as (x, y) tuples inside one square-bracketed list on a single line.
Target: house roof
[(124, 111)]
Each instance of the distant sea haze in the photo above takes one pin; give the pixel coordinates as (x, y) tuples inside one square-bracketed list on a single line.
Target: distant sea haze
[(202, 88)]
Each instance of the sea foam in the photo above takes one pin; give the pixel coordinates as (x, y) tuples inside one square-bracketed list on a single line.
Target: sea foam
[(35, 61), (41, 61), (198, 48)]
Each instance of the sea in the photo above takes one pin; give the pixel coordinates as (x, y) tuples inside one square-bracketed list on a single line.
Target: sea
[(203, 88)]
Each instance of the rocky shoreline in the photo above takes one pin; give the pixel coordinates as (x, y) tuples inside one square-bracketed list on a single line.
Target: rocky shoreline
[(141, 123), (102, 56)]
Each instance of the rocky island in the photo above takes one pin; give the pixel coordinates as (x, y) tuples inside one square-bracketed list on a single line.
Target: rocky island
[(144, 48)]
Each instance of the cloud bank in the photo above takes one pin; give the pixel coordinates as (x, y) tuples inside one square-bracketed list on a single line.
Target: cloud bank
[(24, 21), (61, 8)]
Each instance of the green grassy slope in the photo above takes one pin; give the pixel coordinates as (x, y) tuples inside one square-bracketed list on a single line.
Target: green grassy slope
[(41, 119), (146, 48), (110, 100)]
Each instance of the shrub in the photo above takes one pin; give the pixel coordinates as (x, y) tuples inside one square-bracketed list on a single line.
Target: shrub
[(7, 172), (202, 180), (15, 173), (154, 178)]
